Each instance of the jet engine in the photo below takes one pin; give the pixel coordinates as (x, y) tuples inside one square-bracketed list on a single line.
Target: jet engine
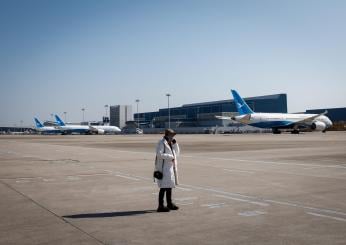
[(318, 126), (100, 131)]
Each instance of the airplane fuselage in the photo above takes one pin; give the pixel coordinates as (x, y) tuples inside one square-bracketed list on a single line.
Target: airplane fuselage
[(74, 129), (106, 128), (283, 120)]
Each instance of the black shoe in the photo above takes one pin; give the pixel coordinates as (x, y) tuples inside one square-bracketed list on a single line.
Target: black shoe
[(172, 206), (162, 209)]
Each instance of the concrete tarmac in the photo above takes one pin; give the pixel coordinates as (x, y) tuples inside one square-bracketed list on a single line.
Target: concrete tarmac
[(235, 189)]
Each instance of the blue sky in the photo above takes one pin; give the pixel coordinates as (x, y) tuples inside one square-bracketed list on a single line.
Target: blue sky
[(58, 56)]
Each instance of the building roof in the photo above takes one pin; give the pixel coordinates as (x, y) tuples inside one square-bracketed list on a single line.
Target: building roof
[(264, 97)]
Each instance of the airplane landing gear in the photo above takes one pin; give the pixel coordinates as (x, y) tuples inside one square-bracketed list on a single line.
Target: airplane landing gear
[(276, 131)]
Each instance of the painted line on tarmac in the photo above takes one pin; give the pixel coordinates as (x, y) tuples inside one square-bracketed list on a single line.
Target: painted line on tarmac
[(23, 181), (184, 204), (321, 210), (237, 170), (263, 200), (266, 162), (244, 200), (245, 160), (90, 175), (214, 205), (254, 171), (327, 216), (183, 189), (332, 160), (251, 213), (253, 199), (48, 180), (127, 177), (185, 199)]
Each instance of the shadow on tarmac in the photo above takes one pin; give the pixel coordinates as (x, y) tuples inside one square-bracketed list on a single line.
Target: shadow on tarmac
[(109, 215)]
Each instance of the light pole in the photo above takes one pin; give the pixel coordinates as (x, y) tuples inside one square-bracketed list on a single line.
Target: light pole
[(65, 115), (83, 109), (106, 108), (137, 101), (169, 112), (52, 116)]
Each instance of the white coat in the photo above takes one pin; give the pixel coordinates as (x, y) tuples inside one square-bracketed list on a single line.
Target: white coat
[(165, 155)]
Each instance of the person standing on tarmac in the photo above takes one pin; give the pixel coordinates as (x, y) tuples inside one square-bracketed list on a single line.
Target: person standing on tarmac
[(167, 151)]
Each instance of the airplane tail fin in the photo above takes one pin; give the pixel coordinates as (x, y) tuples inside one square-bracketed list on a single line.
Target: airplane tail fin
[(59, 121), (241, 105), (38, 123)]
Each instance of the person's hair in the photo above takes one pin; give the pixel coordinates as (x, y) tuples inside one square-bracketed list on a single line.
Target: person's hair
[(169, 132)]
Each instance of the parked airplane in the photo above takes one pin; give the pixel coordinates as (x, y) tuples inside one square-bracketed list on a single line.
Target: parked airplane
[(277, 121), (92, 129), (69, 129), (45, 129), (104, 129)]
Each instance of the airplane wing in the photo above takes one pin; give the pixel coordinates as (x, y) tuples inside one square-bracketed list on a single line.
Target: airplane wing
[(310, 119), (93, 128), (223, 118)]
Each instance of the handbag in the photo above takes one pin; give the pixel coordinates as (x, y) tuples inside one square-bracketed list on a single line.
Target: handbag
[(158, 174)]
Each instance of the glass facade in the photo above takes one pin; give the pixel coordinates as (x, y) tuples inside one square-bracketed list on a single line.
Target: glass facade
[(335, 114), (203, 114)]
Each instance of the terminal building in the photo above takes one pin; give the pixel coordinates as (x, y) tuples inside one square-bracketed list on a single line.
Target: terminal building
[(203, 114), (120, 114), (334, 114)]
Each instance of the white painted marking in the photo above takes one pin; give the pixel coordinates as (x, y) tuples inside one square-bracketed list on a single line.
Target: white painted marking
[(184, 204), (267, 200), (23, 181), (185, 199), (257, 200), (214, 205), (73, 178), (279, 172), (134, 176), (48, 180), (251, 213), (322, 210), (217, 191), (244, 160), (183, 189), (332, 160), (90, 175), (127, 177), (244, 200), (240, 171), (266, 162), (283, 203), (327, 216)]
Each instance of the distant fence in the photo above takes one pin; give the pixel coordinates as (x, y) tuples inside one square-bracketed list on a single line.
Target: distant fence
[(209, 130)]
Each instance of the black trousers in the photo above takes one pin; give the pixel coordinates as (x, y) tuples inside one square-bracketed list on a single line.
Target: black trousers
[(168, 192)]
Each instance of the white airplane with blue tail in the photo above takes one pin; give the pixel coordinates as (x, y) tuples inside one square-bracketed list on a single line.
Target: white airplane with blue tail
[(85, 129), (69, 129), (278, 121), (45, 129)]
